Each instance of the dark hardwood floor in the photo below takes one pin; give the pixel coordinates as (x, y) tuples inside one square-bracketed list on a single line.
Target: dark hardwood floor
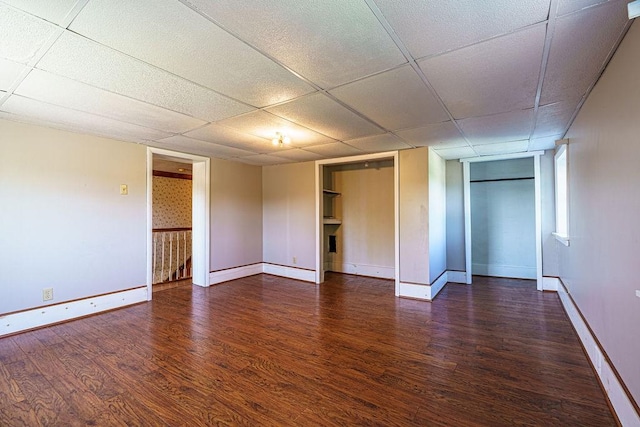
[(271, 351)]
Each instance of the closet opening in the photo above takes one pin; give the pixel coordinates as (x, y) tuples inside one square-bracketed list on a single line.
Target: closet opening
[(357, 207), (503, 216)]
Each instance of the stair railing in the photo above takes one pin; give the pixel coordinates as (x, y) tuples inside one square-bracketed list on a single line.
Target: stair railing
[(171, 254)]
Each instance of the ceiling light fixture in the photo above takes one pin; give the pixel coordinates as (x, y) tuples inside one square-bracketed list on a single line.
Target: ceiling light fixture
[(281, 140), (634, 9)]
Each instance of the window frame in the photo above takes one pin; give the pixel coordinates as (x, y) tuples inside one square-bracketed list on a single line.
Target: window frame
[(561, 173)]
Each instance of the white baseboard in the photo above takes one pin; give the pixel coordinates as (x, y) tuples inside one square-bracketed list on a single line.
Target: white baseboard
[(364, 270), (496, 270), (440, 282), (456, 276), (550, 283), (216, 277), (220, 276), (619, 400), (48, 315), (424, 292), (289, 272), (413, 290)]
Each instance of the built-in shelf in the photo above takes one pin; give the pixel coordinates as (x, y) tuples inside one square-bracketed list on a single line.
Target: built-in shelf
[(330, 193), (331, 221), (329, 211)]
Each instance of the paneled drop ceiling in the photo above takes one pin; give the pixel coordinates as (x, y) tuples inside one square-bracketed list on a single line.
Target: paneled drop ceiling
[(339, 77)]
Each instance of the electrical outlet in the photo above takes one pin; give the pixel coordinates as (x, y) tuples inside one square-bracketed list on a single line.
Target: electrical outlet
[(638, 293), (124, 189), (47, 294), (295, 260)]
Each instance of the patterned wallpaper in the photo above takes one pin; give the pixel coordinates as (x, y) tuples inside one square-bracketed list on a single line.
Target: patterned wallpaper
[(171, 202)]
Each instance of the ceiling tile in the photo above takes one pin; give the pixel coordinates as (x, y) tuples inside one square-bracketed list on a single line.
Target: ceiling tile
[(329, 42), (512, 126), (262, 160), (175, 38), (72, 119), (9, 72), (443, 135), (396, 99), (455, 152), (502, 148), (179, 142), (51, 10), (496, 76), (568, 6), (232, 138), (299, 155), (545, 143), (580, 46), (324, 115), (337, 149), (22, 35), (64, 92), (553, 119), (265, 125), (431, 27), (113, 71), (378, 143)]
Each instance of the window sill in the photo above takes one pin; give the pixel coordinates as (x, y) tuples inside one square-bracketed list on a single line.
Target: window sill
[(561, 238)]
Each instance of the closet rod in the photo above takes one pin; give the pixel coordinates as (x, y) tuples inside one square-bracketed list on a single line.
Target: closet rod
[(500, 179)]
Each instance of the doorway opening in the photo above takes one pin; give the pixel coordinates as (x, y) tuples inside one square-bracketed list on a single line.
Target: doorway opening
[(171, 222), (357, 216), (185, 251), (502, 209)]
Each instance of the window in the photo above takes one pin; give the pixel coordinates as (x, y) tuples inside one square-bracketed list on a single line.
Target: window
[(562, 194)]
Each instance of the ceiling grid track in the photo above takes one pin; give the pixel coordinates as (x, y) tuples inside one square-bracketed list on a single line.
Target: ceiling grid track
[(318, 89), (383, 21), (551, 28), (465, 80), (68, 19)]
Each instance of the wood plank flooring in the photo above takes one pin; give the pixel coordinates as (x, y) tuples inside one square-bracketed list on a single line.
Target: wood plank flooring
[(271, 351)]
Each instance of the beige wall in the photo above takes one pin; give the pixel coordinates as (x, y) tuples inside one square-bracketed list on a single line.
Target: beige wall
[(600, 267), (437, 217), (365, 239), (414, 215), (455, 216), (171, 202), (63, 221), (289, 215), (236, 214), (548, 208)]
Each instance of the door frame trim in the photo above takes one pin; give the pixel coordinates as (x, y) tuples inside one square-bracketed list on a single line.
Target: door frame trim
[(201, 215)]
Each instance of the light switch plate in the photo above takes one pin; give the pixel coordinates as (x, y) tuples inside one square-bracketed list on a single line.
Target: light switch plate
[(638, 293), (124, 190)]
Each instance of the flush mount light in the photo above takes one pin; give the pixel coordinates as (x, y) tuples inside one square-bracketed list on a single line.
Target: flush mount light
[(634, 9), (281, 140)]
